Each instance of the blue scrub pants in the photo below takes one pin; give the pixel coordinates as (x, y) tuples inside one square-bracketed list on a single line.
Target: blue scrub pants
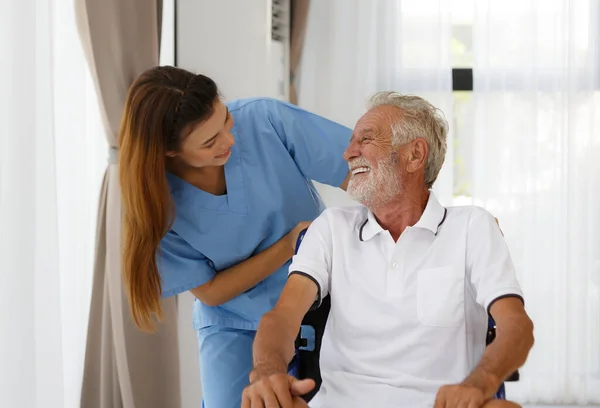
[(225, 364)]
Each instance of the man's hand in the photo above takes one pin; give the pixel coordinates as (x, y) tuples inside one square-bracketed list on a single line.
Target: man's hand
[(276, 391), (459, 396), (299, 403)]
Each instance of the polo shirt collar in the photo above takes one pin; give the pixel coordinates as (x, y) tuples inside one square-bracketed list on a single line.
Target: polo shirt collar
[(433, 216), (431, 219), (369, 227)]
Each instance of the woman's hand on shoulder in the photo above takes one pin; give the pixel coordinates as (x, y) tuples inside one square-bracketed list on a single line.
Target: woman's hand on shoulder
[(292, 236)]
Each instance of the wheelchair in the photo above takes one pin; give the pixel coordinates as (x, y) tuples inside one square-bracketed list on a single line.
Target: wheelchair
[(305, 363)]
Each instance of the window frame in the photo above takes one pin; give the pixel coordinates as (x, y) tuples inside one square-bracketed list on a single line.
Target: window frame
[(462, 78)]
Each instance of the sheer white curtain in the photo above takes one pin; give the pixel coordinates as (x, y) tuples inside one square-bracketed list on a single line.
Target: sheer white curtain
[(536, 166), (354, 48), (51, 154), (528, 148)]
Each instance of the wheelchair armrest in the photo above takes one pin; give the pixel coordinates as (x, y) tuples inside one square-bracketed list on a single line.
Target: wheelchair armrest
[(300, 238)]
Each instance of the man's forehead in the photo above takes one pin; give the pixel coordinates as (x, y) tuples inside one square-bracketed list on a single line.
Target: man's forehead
[(368, 132), (371, 122), (366, 129), (377, 117), (380, 115), (361, 131)]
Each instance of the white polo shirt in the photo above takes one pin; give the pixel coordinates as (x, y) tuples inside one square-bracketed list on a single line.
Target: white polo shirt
[(409, 316)]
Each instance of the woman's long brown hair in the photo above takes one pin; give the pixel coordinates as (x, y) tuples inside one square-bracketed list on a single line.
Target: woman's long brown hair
[(160, 104)]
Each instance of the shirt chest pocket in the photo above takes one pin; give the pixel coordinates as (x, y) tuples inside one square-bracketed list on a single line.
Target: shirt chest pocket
[(441, 296)]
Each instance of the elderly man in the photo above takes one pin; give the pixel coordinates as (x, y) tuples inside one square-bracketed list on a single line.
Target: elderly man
[(411, 284)]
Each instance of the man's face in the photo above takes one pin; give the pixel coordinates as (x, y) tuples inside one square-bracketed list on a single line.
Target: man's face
[(376, 166)]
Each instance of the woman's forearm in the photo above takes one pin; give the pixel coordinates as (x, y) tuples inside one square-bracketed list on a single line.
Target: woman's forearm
[(232, 282), (344, 185)]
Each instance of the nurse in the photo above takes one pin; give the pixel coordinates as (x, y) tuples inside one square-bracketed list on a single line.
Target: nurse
[(214, 197)]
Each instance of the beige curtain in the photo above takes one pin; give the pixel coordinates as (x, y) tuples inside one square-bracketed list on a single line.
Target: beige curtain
[(298, 19), (124, 367)]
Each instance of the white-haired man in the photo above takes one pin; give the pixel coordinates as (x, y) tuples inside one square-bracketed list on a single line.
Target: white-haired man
[(411, 284)]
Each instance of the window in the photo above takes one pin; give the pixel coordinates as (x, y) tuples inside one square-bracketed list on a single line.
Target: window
[(554, 58), (461, 48)]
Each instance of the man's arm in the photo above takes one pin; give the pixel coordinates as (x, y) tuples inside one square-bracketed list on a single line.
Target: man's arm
[(307, 282), (509, 350), (492, 275), (494, 279), (274, 342), (273, 348)]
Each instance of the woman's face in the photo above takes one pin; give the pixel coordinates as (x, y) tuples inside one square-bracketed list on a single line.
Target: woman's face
[(208, 143)]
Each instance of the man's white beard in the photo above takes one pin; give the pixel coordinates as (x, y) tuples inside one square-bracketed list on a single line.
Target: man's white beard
[(377, 187)]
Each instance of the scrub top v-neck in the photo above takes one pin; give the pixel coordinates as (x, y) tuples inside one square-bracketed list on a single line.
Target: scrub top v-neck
[(278, 150), (233, 200)]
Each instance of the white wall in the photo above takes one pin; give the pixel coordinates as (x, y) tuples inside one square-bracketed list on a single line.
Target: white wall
[(230, 41)]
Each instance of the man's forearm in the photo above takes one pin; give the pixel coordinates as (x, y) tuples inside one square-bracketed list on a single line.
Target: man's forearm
[(273, 347), (504, 355)]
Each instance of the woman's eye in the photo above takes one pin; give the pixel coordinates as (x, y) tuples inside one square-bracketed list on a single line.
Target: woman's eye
[(209, 145)]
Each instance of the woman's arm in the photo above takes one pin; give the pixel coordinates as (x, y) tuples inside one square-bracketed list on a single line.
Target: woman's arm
[(315, 143), (344, 185), (232, 282)]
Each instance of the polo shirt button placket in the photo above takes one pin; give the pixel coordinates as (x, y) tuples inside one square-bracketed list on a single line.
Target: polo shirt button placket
[(395, 280)]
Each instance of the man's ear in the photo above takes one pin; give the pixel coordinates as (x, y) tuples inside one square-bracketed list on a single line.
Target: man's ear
[(417, 155)]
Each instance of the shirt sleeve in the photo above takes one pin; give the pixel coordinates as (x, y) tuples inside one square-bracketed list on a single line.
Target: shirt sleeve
[(313, 258), (489, 264), (181, 267), (316, 144)]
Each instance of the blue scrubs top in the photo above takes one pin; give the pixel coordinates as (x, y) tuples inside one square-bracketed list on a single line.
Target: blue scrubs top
[(279, 149)]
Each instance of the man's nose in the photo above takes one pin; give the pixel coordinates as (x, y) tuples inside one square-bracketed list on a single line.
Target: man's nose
[(352, 151)]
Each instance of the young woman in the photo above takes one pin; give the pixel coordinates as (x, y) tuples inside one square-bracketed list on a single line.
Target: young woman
[(214, 197)]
